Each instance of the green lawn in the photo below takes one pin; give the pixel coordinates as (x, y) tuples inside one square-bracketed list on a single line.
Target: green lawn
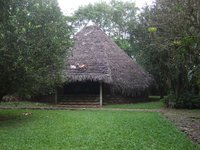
[(145, 105), (154, 97), (89, 130)]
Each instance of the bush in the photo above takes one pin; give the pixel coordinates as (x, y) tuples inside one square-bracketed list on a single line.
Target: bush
[(10, 98), (186, 100), (170, 100)]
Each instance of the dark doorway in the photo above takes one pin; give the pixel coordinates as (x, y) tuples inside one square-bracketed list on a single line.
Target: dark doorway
[(81, 88)]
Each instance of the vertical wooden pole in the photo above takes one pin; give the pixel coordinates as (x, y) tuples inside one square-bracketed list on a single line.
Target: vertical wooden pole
[(101, 96), (56, 96)]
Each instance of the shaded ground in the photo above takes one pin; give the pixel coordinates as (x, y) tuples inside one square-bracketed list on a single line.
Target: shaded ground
[(187, 121)]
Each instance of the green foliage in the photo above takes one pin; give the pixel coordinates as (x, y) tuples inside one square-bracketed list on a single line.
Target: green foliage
[(115, 18), (41, 129), (152, 29), (125, 45), (170, 100), (171, 52), (33, 44), (186, 100)]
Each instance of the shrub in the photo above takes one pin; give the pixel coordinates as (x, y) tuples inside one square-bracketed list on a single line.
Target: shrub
[(170, 100), (186, 100), (10, 98)]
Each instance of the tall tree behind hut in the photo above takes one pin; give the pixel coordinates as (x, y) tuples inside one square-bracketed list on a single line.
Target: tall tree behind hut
[(34, 38), (170, 48), (115, 18)]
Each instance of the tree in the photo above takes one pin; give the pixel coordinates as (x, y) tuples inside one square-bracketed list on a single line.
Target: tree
[(148, 52), (174, 44), (34, 38), (115, 18)]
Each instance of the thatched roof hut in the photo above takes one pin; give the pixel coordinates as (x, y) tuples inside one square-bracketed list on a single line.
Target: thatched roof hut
[(95, 57)]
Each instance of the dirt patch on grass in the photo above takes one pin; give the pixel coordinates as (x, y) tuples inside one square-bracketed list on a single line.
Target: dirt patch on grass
[(187, 121)]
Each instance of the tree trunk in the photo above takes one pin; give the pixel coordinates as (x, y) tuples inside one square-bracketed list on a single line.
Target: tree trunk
[(161, 93)]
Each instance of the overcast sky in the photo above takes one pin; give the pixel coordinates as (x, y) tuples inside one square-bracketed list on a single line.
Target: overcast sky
[(68, 6)]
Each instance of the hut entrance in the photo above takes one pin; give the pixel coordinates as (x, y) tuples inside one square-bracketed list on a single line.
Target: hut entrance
[(81, 93)]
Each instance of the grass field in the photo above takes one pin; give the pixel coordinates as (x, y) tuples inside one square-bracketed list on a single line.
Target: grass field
[(146, 105), (89, 130)]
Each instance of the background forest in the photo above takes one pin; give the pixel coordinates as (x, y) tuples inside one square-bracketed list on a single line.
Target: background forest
[(164, 38)]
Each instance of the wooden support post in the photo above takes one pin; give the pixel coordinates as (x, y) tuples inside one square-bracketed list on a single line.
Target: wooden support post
[(101, 96), (56, 96)]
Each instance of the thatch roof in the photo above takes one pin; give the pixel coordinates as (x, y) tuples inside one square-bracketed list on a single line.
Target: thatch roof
[(95, 57)]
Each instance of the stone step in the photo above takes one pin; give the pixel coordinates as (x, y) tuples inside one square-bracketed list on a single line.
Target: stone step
[(78, 100), (77, 106), (79, 103)]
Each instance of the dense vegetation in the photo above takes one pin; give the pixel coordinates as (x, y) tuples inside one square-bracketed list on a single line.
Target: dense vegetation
[(34, 38), (83, 129), (163, 38), (115, 18), (170, 49)]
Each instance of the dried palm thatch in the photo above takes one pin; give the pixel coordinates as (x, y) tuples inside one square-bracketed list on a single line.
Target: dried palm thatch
[(95, 57)]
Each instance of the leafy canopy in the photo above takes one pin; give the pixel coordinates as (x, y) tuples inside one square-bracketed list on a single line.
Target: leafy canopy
[(34, 38)]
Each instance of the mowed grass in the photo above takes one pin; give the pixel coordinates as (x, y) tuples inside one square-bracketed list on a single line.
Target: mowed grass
[(89, 130), (144, 105)]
